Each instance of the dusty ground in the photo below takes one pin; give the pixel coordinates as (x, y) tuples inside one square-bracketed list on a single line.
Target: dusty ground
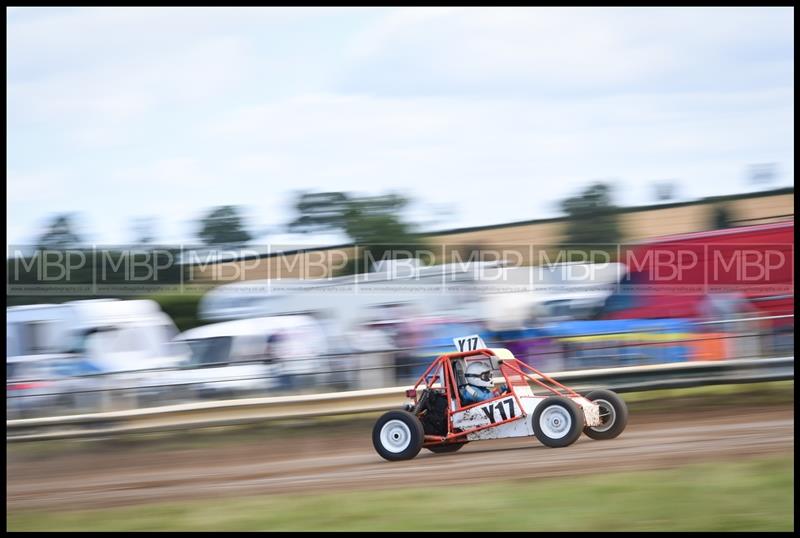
[(297, 463)]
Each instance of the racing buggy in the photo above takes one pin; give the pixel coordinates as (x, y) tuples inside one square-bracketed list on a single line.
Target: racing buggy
[(439, 421)]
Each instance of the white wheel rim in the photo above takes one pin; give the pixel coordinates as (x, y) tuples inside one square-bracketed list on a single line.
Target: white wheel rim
[(395, 436), (555, 422), (607, 414)]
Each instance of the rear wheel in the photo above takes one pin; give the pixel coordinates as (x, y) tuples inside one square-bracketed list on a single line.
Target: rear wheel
[(557, 422), (613, 414), (398, 435), (444, 449)]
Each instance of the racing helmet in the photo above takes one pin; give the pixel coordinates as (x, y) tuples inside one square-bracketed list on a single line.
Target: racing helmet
[(479, 374)]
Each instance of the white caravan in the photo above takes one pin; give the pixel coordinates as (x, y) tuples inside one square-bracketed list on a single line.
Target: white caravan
[(548, 293), (105, 335), (344, 302), (250, 355), (503, 296)]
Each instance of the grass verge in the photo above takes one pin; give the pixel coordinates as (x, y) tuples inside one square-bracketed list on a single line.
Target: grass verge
[(753, 495)]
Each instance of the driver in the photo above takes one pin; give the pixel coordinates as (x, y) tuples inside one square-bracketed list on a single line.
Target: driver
[(479, 385)]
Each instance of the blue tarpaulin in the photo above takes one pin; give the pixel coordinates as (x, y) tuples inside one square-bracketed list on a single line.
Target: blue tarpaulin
[(602, 343)]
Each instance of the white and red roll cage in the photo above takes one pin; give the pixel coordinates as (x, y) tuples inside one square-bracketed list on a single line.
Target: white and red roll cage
[(441, 378)]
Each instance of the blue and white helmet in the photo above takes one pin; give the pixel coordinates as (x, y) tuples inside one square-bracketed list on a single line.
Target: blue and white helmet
[(479, 374)]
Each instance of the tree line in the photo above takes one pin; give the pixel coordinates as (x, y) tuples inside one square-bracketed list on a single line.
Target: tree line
[(377, 223)]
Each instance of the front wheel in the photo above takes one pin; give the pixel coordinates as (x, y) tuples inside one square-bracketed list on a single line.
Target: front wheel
[(557, 421), (613, 414), (398, 435)]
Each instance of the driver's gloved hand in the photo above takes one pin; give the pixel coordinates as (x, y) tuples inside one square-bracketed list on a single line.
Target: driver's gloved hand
[(501, 389)]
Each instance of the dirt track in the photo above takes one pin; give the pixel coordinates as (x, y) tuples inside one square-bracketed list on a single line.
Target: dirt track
[(333, 463)]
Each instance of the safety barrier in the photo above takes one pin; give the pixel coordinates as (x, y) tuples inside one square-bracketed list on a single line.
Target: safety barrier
[(241, 411)]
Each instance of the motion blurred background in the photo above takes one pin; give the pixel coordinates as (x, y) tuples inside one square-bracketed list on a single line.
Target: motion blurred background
[(248, 216)]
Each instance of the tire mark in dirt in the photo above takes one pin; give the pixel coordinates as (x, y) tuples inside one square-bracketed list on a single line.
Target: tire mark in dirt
[(353, 465)]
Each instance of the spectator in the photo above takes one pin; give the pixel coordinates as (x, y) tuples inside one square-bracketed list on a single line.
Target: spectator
[(294, 367), (373, 358)]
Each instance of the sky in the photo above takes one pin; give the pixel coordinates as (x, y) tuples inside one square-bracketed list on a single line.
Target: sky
[(480, 115)]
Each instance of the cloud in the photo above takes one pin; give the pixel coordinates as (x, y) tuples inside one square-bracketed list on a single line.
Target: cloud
[(110, 105), (453, 149), (498, 113), (570, 51)]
